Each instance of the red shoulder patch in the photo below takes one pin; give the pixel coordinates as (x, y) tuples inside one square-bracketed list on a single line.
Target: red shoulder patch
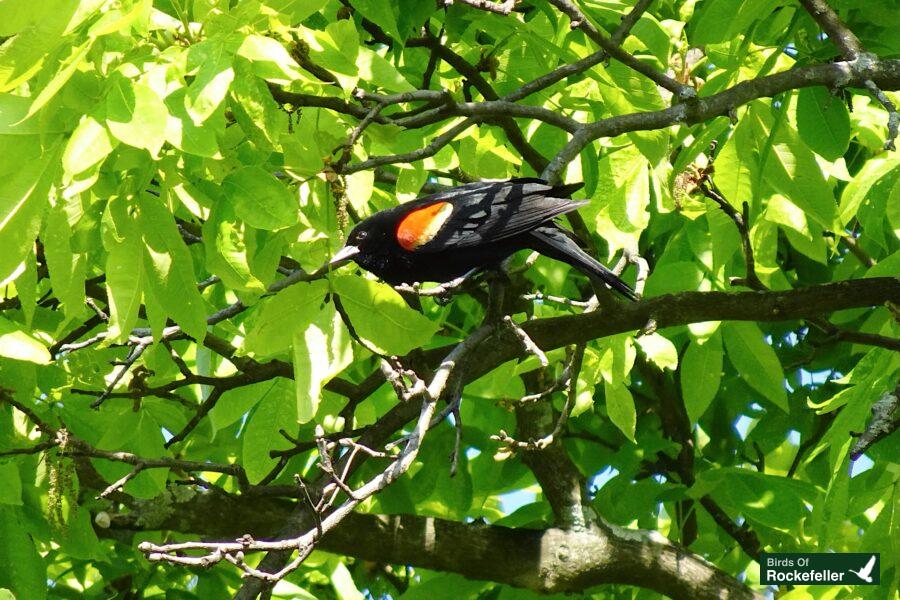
[(421, 225)]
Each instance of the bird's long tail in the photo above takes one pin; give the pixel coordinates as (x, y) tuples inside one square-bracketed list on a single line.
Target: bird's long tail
[(561, 245)]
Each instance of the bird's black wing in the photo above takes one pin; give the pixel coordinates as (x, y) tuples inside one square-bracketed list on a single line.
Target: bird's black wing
[(485, 212)]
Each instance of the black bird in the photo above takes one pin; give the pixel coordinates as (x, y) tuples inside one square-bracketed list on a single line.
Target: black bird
[(471, 227)]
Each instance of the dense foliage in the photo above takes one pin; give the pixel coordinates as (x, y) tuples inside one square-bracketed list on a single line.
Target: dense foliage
[(174, 366)]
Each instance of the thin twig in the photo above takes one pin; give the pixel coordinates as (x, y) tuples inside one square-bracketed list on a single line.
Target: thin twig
[(94, 307), (579, 21), (541, 298), (72, 446), (204, 408), (751, 279), (442, 292), (446, 377), (500, 8), (857, 251), (120, 483), (526, 341)]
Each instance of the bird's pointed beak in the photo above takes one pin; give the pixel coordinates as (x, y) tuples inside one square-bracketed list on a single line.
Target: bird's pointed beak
[(343, 255)]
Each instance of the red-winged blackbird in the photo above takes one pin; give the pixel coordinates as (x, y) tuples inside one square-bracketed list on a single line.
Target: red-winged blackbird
[(470, 227)]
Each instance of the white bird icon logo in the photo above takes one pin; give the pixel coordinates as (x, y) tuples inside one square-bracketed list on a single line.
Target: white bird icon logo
[(866, 572)]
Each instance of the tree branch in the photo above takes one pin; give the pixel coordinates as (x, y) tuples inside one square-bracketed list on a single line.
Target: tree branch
[(837, 31), (852, 50), (544, 561), (563, 485), (885, 73), (683, 92), (882, 424)]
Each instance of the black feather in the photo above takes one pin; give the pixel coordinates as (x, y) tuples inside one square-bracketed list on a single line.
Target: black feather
[(557, 243)]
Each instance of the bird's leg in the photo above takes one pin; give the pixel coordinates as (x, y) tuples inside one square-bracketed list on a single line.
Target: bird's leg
[(497, 282)]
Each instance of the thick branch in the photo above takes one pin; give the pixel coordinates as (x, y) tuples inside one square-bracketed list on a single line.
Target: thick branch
[(692, 307), (563, 484), (545, 561), (882, 424)]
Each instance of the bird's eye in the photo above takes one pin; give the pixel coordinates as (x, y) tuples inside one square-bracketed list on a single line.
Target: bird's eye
[(362, 235)]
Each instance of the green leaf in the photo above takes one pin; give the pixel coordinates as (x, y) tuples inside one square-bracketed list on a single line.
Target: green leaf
[(773, 501), (359, 190), (833, 511), (755, 361), (170, 270), (397, 329), (260, 199), (27, 289), (588, 379), (321, 351), (383, 13), (124, 274), (701, 374), (336, 50), (297, 10), (22, 56), (67, 269), (277, 409), (302, 153), (16, 344), (254, 109), (680, 276), (654, 37), (226, 249), (11, 490), (619, 207), (859, 187), (285, 314), (375, 68), (24, 571), (711, 22), (620, 408), (18, 15), (823, 122), (804, 234), (736, 166), (447, 586), (136, 115), (791, 169), (723, 234), (235, 403), (78, 539), (13, 122), (25, 178), (617, 360), (270, 60), (718, 21), (626, 91), (183, 133), (659, 350), (145, 439), (211, 59), (67, 69), (90, 144), (342, 581)]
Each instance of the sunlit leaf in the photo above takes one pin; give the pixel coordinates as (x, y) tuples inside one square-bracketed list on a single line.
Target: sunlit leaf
[(397, 329)]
